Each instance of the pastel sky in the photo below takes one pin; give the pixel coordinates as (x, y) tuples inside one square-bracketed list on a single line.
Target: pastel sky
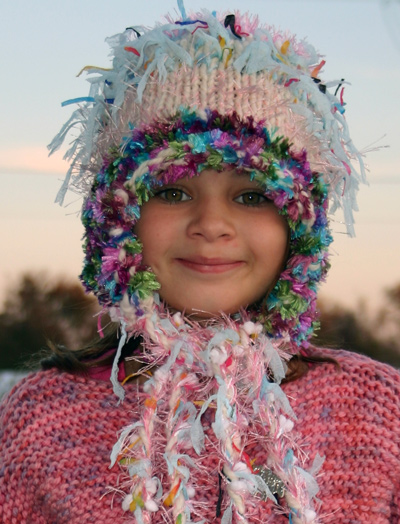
[(45, 43)]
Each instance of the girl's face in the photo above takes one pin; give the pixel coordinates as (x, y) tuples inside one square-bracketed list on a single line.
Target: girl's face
[(215, 243)]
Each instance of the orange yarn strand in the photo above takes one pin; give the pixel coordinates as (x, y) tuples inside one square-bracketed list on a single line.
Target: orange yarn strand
[(317, 69)]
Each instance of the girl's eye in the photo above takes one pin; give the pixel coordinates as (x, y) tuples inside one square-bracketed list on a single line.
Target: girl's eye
[(251, 198), (172, 194)]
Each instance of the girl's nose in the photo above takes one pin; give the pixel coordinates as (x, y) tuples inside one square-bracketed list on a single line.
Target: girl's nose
[(211, 220)]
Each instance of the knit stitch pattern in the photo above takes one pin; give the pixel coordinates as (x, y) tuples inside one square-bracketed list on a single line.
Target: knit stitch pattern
[(57, 431)]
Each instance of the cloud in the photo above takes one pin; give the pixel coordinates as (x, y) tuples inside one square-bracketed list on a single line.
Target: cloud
[(31, 159)]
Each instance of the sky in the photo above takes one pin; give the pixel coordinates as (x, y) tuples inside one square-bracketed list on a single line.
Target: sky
[(44, 44)]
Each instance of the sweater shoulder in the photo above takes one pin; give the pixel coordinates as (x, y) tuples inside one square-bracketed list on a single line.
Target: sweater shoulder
[(43, 385), (355, 367), (359, 388), (48, 397)]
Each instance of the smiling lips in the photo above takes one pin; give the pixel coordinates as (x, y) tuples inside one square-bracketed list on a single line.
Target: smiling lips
[(209, 265)]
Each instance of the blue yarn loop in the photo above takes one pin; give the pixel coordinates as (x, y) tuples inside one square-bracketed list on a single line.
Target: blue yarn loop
[(77, 100), (189, 22)]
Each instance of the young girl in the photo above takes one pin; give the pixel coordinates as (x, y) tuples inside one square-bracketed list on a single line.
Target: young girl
[(207, 157)]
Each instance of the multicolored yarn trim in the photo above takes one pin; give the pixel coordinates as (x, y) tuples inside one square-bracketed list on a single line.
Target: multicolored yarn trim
[(163, 153)]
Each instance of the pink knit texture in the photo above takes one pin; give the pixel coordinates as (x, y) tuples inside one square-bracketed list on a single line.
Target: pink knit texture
[(226, 91), (57, 431)]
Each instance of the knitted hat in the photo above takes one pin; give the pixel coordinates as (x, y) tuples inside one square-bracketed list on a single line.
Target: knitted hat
[(198, 93), (209, 92)]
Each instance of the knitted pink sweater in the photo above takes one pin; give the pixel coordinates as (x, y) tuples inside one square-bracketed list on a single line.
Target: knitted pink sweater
[(57, 431)]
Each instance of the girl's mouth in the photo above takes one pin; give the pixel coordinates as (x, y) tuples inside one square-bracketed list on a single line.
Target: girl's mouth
[(209, 265)]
